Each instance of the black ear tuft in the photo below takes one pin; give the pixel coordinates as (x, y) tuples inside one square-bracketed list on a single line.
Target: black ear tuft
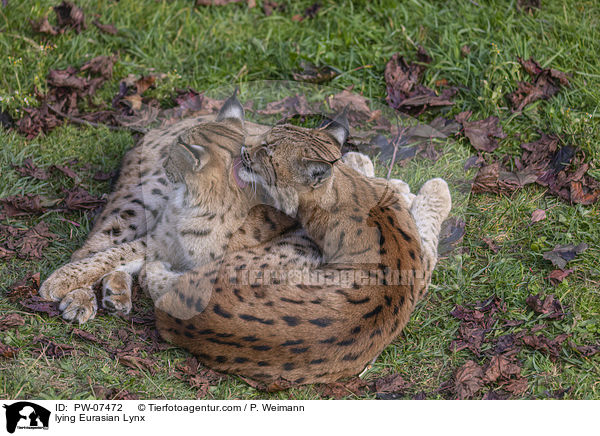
[(317, 172), (338, 126), (232, 109)]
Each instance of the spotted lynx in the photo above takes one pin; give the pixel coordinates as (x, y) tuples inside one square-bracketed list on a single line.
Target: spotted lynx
[(183, 218), (244, 315)]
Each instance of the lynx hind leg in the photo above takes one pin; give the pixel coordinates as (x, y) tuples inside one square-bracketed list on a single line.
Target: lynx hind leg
[(359, 162), (430, 208)]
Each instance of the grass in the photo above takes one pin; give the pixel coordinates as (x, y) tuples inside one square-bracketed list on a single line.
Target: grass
[(210, 47)]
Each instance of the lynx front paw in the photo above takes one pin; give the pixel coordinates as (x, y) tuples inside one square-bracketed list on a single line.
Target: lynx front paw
[(116, 292), (79, 305), (57, 286)]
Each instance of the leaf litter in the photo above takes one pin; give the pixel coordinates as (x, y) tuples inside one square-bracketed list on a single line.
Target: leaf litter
[(546, 82), (405, 93), (500, 371)]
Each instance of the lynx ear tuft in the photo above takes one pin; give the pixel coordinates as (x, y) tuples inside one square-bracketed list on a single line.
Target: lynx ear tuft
[(232, 109)]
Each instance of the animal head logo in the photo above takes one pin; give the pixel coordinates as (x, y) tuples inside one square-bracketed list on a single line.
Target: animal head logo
[(26, 415)]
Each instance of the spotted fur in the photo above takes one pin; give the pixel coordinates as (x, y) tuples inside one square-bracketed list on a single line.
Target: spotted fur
[(294, 332)]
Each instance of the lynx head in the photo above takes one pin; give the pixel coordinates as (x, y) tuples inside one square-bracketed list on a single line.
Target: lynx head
[(293, 161)]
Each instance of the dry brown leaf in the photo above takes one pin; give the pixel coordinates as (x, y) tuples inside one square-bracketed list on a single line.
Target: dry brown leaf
[(11, 321), (558, 275), (468, 380)]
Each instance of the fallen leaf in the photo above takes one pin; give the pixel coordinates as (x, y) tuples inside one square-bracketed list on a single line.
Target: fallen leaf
[(82, 334), (558, 275), (585, 350), (501, 367), (471, 336), (540, 342), (29, 169), (549, 306), (53, 349), (80, 199), (37, 120), (70, 16), (66, 171), (288, 107), (517, 386), (357, 105), (538, 215), (339, 390), (558, 394), (35, 240), (468, 380), (11, 321), (23, 287), (23, 205), (25, 292), (312, 10), (6, 121), (103, 176), (198, 377), (496, 395), (66, 78), (562, 254), (106, 28), (137, 362), (483, 134), (546, 83), (103, 393), (404, 91), (144, 82), (101, 65), (6, 254), (494, 178), (392, 383), (506, 344)]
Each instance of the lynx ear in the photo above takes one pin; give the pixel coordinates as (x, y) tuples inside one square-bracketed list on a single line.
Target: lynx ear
[(184, 158), (338, 127), (232, 109), (317, 172)]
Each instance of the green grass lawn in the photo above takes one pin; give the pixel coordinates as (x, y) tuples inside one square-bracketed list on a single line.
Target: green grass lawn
[(208, 47)]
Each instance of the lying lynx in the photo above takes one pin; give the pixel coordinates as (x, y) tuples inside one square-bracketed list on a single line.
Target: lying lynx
[(245, 315)]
